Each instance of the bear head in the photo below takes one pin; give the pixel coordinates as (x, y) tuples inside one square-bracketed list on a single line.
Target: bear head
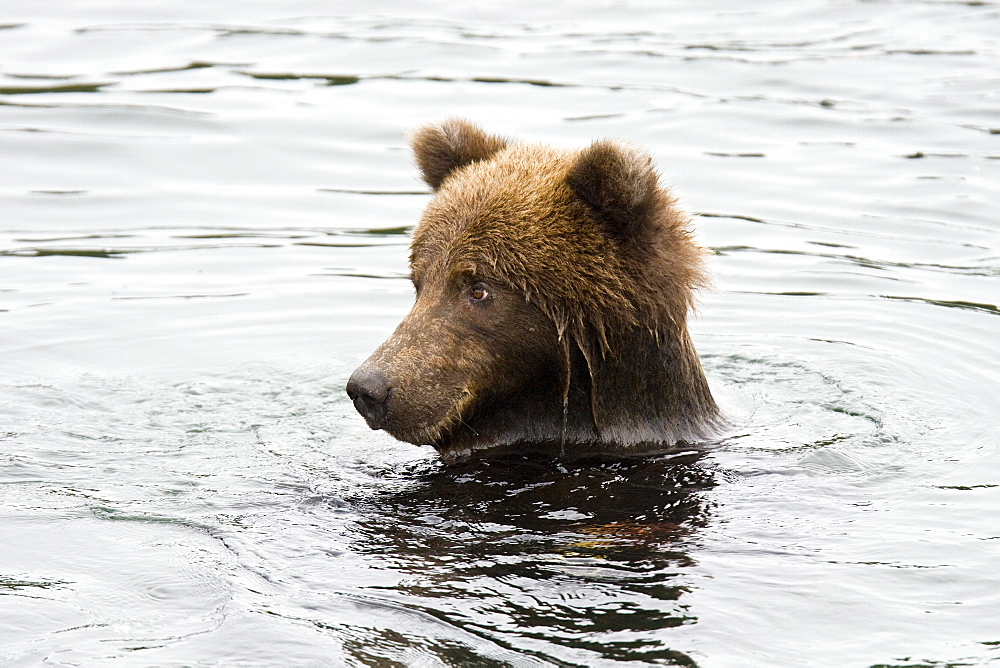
[(552, 294)]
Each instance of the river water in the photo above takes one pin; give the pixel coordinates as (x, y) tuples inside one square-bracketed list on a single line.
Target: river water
[(204, 218)]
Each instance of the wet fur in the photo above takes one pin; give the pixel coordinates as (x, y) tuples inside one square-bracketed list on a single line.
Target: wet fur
[(584, 346)]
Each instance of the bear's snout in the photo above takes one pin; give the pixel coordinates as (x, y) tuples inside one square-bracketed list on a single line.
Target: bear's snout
[(369, 390)]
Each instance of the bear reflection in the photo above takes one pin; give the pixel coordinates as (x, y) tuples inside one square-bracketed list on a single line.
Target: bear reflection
[(531, 548)]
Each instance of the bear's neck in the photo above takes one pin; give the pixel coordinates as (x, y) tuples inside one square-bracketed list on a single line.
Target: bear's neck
[(645, 394), (651, 390)]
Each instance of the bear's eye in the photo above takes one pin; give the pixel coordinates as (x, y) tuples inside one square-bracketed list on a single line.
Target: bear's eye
[(478, 292)]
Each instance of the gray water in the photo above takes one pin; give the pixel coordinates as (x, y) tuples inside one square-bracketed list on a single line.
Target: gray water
[(204, 217)]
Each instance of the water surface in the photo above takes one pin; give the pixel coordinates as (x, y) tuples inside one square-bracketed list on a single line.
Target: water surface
[(204, 217)]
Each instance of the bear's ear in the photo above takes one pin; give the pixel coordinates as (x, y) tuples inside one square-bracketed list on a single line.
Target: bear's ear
[(618, 182), (441, 149)]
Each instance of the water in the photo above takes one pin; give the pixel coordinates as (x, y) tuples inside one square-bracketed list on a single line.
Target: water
[(205, 210)]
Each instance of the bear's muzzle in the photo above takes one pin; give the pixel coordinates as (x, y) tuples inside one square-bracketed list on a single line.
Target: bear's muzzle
[(369, 390)]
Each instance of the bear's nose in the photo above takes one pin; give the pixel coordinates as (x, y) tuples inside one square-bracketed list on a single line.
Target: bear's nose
[(369, 390)]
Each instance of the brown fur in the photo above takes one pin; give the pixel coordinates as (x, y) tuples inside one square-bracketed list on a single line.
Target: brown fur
[(581, 345)]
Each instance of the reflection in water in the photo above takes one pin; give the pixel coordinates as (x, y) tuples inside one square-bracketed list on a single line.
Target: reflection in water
[(588, 556)]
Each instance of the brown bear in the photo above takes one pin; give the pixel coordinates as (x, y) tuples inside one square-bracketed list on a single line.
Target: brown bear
[(552, 293)]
